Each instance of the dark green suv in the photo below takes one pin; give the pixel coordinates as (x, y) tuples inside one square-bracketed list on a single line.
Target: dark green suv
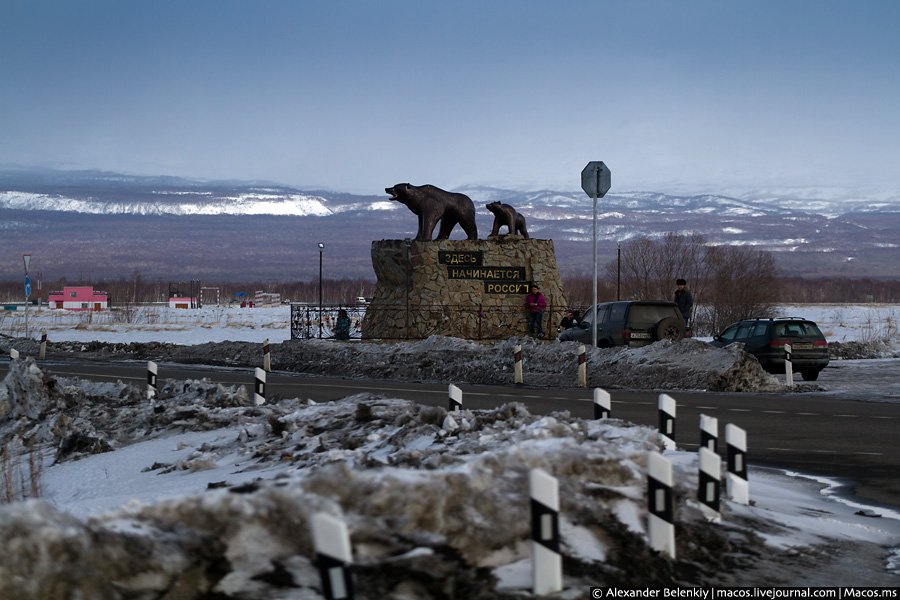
[(766, 340), (632, 324)]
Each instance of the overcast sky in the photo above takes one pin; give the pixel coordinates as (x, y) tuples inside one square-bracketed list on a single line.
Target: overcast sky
[(673, 95)]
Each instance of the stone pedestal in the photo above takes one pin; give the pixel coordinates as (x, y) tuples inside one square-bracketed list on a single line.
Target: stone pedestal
[(471, 289)]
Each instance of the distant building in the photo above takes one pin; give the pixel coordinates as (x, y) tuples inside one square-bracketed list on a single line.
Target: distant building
[(261, 298), (78, 298), (183, 302)]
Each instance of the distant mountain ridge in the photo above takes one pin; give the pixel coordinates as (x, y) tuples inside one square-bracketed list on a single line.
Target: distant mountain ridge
[(172, 227)]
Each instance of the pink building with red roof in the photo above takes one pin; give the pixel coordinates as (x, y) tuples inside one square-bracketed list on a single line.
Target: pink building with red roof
[(78, 298)]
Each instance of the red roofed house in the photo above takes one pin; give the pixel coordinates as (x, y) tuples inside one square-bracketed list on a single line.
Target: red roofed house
[(78, 298)]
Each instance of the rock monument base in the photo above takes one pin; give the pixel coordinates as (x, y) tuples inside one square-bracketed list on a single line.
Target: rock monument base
[(471, 289)]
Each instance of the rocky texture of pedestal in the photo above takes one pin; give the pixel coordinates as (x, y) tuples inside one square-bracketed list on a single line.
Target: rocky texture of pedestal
[(471, 289)]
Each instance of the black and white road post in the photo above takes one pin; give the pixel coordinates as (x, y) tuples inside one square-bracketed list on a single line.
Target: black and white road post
[(710, 482), (43, 353), (259, 387), (267, 361), (788, 366), (736, 479), (455, 399), (152, 373), (582, 368), (667, 420), (602, 404), (518, 367), (545, 557), (660, 504), (709, 433), (332, 545)]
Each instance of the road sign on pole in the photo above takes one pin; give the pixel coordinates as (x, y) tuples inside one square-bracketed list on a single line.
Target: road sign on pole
[(27, 258), (595, 181)]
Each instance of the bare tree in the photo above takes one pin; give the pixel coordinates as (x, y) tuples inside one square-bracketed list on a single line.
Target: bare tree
[(728, 283), (650, 267), (638, 269), (743, 283)]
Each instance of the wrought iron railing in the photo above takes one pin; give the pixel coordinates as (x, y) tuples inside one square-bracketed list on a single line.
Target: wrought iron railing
[(414, 322), (309, 321)]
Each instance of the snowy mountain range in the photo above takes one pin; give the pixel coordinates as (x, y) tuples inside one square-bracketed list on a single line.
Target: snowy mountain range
[(172, 227)]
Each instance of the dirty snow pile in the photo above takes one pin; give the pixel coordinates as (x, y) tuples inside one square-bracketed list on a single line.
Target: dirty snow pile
[(436, 504), (688, 364)]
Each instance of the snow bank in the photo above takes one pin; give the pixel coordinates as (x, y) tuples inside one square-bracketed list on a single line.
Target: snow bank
[(688, 364), (436, 504)]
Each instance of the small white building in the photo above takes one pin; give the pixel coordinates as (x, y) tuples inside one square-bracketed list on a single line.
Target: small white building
[(183, 302)]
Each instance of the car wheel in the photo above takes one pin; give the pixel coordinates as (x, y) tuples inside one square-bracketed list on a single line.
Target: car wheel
[(809, 375), (669, 328)]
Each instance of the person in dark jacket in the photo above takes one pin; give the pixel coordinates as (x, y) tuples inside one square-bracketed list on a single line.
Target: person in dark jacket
[(684, 300), (342, 326), (570, 320)]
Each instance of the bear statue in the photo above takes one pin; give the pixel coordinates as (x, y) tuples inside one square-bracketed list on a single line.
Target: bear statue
[(504, 214), (432, 204)]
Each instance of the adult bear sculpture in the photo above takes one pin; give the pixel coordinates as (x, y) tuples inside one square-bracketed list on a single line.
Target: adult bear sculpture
[(504, 214), (433, 204)]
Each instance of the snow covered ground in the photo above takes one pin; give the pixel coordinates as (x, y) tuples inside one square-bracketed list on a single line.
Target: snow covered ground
[(839, 323), (203, 492)]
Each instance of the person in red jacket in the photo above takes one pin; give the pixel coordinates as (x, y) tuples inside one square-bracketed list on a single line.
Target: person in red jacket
[(535, 305)]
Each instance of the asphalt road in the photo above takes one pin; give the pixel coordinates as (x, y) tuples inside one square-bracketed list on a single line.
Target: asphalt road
[(812, 433)]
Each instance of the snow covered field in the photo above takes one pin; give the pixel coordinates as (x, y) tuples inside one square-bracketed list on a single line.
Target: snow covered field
[(839, 323), (202, 492)]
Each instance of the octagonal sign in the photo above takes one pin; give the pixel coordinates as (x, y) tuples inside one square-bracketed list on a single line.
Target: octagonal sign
[(595, 179)]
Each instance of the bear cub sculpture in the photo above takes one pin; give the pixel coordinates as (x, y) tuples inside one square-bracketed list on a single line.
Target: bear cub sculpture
[(432, 204), (504, 214)]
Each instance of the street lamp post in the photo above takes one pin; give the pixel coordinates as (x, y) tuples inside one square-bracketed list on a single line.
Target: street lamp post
[(321, 250)]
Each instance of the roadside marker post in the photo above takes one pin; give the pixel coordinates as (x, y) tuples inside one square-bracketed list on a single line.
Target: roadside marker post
[(660, 503), (152, 372), (709, 483), (518, 366), (709, 433), (259, 387), (43, 353), (667, 420), (546, 560), (267, 361), (736, 483), (332, 546), (582, 368), (788, 366), (602, 404), (455, 398)]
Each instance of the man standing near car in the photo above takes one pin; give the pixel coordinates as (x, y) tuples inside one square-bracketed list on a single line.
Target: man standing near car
[(684, 300)]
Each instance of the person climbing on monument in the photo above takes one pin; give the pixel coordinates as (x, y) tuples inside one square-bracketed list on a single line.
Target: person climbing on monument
[(535, 305)]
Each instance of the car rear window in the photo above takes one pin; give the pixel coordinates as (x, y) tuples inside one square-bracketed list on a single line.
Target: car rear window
[(617, 312), (796, 329), (650, 313)]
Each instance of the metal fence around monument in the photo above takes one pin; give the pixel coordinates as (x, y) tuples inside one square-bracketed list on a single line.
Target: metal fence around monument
[(420, 321), (306, 318)]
